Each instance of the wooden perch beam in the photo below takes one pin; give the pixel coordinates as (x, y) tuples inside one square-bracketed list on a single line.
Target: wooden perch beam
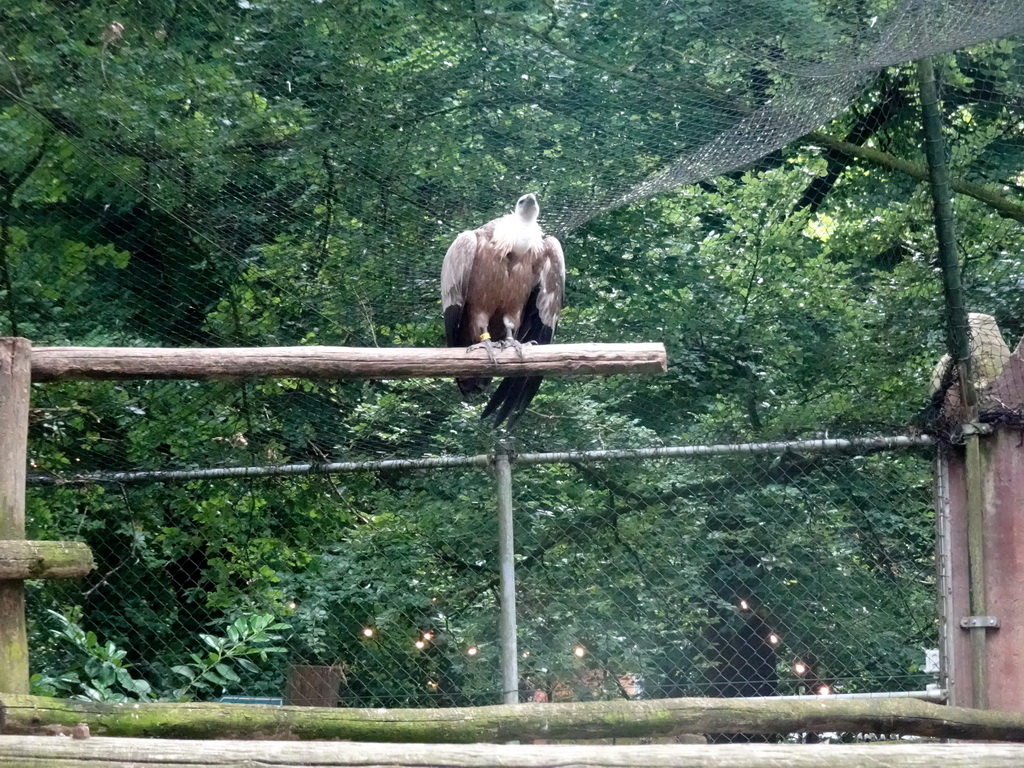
[(119, 753), (44, 559), (581, 720), (92, 363)]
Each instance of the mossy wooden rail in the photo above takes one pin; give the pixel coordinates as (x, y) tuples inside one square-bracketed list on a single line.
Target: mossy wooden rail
[(519, 722), (21, 560)]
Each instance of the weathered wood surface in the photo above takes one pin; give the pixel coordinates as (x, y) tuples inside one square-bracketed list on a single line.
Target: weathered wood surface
[(520, 722), (77, 363), (15, 356), (57, 752), (44, 559)]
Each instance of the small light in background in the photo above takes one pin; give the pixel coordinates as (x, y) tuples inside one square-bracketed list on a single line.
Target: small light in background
[(800, 668), (292, 605), (579, 651), (526, 654), (744, 606), (774, 639), (432, 684), (420, 644), (824, 690), (472, 650), (428, 636), (367, 631)]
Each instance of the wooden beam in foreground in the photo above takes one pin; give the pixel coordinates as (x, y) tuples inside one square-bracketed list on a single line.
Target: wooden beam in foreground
[(92, 363), (20, 560), (154, 753), (522, 722)]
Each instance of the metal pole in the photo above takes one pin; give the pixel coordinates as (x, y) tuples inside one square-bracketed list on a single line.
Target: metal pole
[(481, 460), (957, 328), (506, 564)]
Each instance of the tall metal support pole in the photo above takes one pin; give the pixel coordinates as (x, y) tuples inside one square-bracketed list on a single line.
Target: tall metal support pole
[(957, 328), (15, 378), (506, 560)]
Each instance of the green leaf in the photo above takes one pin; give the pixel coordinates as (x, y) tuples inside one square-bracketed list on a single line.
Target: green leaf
[(227, 673), (214, 678), (247, 665), (216, 643), (184, 670)]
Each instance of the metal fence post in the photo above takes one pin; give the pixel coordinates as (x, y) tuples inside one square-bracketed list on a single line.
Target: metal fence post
[(506, 564), (957, 326)]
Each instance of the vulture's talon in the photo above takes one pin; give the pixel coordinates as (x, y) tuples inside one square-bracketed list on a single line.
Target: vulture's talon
[(487, 345), (519, 348), (512, 342)]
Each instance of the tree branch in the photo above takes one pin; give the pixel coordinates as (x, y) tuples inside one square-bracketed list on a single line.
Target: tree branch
[(1002, 204)]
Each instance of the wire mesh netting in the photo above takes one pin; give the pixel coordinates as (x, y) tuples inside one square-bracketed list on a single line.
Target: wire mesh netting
[(783, 572), (291, 173), (731, 576)]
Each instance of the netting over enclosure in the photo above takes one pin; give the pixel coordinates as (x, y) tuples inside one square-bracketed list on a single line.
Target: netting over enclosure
[(743, 181)]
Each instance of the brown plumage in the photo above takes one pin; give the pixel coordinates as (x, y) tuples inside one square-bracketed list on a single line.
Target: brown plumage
[(502, 284)]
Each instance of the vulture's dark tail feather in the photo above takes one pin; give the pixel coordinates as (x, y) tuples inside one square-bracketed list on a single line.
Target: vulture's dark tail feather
[(511, 398)]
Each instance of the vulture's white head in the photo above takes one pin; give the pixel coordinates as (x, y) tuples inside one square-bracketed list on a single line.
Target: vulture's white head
[(527, 208)]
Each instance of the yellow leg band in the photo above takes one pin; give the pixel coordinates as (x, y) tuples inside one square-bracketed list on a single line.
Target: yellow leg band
[(485, 336)]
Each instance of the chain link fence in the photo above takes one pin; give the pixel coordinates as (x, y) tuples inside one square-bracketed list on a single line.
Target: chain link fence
[(744, 570)]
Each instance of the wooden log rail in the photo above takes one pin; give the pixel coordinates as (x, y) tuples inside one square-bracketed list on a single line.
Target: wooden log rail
[(122, 753), (21, 560), (94, 363), (522, 722)]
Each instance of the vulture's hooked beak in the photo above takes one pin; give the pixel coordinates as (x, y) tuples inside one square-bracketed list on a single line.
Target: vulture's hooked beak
[(527, 203)]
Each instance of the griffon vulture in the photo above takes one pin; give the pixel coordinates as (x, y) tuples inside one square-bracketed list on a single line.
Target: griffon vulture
[(502, 285)]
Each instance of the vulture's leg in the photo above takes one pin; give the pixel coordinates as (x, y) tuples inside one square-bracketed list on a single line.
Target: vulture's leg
[(510, 339), (480, 331)]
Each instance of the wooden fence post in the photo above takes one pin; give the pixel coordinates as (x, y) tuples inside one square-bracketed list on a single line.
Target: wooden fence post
[(15, 378), (983, 498)]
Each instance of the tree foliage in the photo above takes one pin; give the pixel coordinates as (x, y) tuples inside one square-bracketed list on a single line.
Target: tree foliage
[(277, 173)]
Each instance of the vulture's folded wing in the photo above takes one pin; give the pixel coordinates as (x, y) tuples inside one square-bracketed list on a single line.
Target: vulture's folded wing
[(458, 264)]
